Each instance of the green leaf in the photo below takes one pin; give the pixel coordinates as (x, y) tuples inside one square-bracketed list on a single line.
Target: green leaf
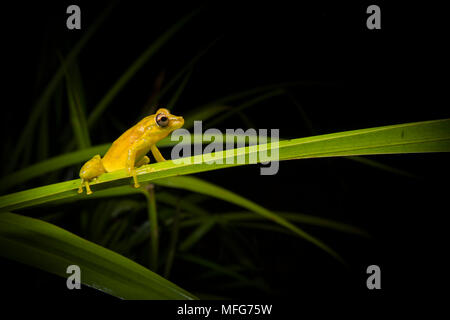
[(50, 248), (76, 105), (173, 241), (43, 144), (308, 124), (51, 164), (419, 137), (149, 193), (76, 157), (200, 186)]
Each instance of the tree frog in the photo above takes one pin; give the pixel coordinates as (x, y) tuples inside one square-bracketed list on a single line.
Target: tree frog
[(130, 149)]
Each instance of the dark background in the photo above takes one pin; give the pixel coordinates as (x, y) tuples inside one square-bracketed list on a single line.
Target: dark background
[(354, 78)]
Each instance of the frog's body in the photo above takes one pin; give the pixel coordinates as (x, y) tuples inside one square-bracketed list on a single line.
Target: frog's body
[(130, 149)]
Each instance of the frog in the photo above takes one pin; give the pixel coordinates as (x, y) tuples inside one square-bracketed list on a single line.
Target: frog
[(130, 150)]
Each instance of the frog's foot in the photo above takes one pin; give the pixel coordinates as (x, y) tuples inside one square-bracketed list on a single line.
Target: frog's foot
[(86, 184), (88, 189), (80, 189), (132, 172)]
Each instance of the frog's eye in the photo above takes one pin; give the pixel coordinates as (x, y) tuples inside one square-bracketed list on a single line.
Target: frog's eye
[(162, 120)]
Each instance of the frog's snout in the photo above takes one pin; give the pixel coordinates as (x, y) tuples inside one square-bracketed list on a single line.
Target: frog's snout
[(177, 122)]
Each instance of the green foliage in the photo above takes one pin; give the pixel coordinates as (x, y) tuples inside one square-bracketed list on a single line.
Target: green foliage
[(170, 217), (53, 249), (426, 136)]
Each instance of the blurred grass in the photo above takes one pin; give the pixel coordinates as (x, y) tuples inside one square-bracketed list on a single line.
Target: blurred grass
[(149, 194), (77, 106)]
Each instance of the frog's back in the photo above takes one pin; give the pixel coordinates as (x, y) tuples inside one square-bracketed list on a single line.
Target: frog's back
[(116, 156)]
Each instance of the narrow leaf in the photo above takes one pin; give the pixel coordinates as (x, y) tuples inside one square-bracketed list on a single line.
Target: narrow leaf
[(50, 248), (419, 137)]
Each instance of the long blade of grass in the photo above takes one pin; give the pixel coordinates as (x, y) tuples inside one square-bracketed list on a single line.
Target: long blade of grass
[(51, 164), (290, 216), (200, 186), (75, 99), (43, 145), (50, 248), (135, 66), (173, 241), (418, 137), (308, 124), (79, 156), (149, 194)]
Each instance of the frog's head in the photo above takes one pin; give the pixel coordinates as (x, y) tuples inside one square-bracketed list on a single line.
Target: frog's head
[(167, 121)]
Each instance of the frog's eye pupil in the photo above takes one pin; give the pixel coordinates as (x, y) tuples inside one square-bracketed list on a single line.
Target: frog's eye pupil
[(162, 120)]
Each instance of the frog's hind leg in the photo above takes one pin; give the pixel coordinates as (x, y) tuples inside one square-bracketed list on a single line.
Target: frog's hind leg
[(80, 189), (86, 184), (90, 170), (88, 189)]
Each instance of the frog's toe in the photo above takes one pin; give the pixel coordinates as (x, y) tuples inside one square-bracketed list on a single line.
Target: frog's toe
[(80, 188)]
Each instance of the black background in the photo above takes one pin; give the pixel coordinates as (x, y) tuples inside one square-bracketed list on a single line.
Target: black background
[(354, 78)]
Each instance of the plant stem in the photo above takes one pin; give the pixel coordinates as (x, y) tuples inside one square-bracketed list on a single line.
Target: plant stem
[(149, 192)]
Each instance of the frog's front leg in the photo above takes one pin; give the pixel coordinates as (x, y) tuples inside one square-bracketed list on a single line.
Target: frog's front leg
[(158, 156)]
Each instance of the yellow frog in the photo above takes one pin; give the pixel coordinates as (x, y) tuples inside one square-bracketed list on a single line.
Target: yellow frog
[(130, 149)]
